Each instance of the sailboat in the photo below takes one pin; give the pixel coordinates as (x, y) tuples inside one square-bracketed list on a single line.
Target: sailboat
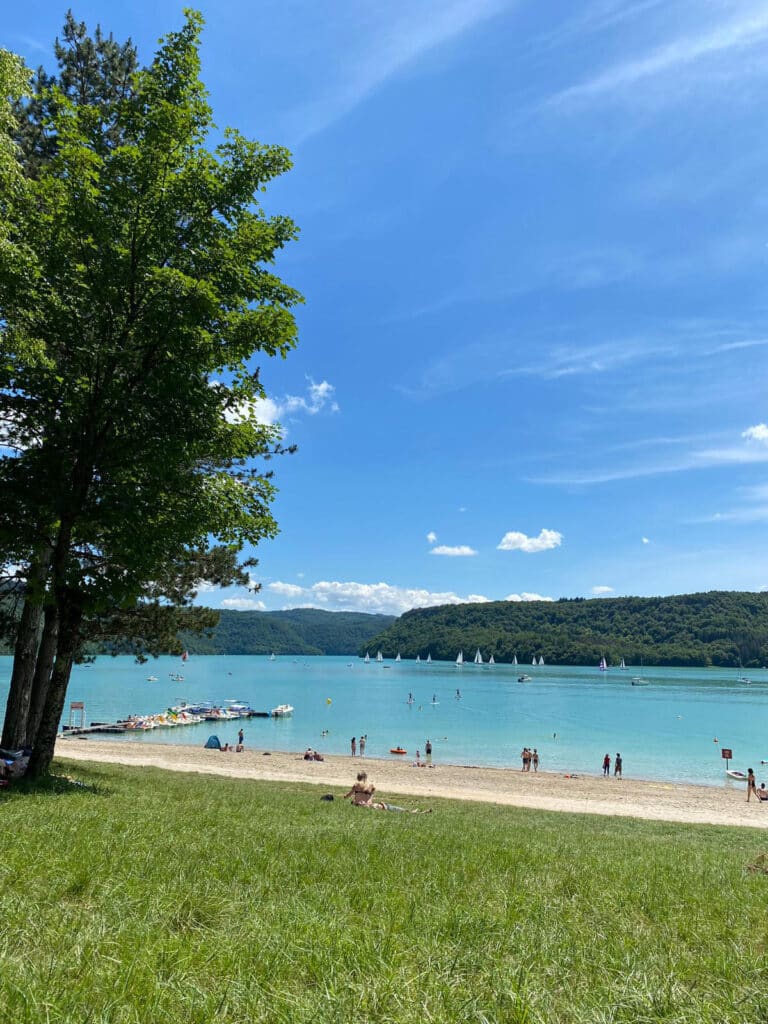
[(478, 657), (541, 659), (398, 656), (639, 680), (741, 678), (429, 658), (185, 655), (491, 660), (622, 666), (418, 657), (460, 659), (272, 656), (603, 666), (367, 658), (514, 659), (533, 661), (379, 656)]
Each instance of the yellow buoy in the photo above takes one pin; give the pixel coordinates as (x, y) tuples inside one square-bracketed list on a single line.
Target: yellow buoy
[(328, 700)]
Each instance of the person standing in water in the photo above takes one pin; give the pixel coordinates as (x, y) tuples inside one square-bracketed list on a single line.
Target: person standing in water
[(362, 746), (428, 750), (618, 764), (606, 766), (353, 746)]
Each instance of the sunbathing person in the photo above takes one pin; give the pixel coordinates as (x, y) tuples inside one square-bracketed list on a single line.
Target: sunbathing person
[(762, 793), (362, 796)]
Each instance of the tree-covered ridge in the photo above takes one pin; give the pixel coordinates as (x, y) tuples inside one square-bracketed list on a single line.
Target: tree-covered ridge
[(723, 628), (297, 631)]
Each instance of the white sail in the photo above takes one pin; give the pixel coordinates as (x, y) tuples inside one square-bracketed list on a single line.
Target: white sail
[(491, 660), (603, 666), (533, 660), (379, 656), (418, 657), (460, 658), (541, 659), (478, 657), (272, 656), (429, 658), (622, 666), (514, 659), (398, 656), (367, 657)]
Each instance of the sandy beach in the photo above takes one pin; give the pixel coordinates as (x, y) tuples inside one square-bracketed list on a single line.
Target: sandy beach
[(586, 794)]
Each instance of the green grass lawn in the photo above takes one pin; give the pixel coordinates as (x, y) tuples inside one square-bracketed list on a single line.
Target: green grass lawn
[(153, 896)]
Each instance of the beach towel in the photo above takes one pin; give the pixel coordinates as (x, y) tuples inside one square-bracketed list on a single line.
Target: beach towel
[(213, 743)]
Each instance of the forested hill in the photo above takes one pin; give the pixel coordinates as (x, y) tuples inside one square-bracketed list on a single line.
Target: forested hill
[(298, 631), (716, 628)]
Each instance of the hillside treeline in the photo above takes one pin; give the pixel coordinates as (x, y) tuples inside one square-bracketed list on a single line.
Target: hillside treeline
[(296, 631), (724, 628)]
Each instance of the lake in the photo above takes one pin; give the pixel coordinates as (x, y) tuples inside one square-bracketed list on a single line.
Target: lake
[(573, 716)]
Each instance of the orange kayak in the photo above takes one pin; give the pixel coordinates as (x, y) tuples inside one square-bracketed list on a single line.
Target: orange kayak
[(397, 750)]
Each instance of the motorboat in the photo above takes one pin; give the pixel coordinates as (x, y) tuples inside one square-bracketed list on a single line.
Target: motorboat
[(282, 711), (524, 679)]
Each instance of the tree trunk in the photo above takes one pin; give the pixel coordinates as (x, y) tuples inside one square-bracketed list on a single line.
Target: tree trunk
[(70, 618), (45, 656), (15, 726)]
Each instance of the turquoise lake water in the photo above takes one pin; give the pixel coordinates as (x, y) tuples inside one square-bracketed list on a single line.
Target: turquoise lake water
[(572, 715)]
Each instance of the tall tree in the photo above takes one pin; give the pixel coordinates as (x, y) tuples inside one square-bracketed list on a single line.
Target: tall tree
[(126, 376)]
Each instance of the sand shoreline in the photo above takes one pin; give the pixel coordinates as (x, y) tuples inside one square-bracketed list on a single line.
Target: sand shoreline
[(659, 801)]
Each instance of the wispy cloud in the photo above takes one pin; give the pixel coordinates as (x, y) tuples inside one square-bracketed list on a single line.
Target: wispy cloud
[(601, 590), (750, 29), (527, 597), (411, 30), (461, 551), (318, 398), (431, 537)]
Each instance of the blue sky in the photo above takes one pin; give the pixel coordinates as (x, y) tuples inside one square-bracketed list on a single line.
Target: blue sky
[(534, 249)]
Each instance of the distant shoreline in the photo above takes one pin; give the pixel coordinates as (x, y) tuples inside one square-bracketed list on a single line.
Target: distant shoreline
[(583, 794)]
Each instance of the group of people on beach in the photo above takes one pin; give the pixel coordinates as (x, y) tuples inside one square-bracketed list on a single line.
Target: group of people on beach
[(618, 765), (312, 755), (761, 793), (530, 757), (353, 745)]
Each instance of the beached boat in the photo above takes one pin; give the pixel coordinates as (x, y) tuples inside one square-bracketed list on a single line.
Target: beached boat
[(460, 659), (282, 711)]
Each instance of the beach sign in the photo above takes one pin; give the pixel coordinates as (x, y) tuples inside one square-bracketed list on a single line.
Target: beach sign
[(727, 753)]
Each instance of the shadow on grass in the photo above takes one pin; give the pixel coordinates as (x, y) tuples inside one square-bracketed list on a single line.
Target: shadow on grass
[(88, 780)]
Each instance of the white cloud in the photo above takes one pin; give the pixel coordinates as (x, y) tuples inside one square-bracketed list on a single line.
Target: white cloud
[(599, 591), (319, 398), (740, 33), (286, 589), (368, 597), (515, 541), (757, 433), (645, 540), (244, 604), (527, 597), (460, 551), (431, 537)]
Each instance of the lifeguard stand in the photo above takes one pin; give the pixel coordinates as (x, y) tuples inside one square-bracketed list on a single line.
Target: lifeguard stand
[(77, 710)]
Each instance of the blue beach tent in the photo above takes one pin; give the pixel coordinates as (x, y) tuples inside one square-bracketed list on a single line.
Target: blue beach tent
[(213, 743)]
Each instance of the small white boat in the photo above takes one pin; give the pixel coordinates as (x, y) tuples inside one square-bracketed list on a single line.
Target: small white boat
[(541, 659), (272, 656), (460, 659), (379, 656), (398, 656), (367, 658), (151, 679), (429, 658), (734, 773), (478, 657), (524, 678), (514, 659), (282, 711), (639, 681), (491, 660)]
